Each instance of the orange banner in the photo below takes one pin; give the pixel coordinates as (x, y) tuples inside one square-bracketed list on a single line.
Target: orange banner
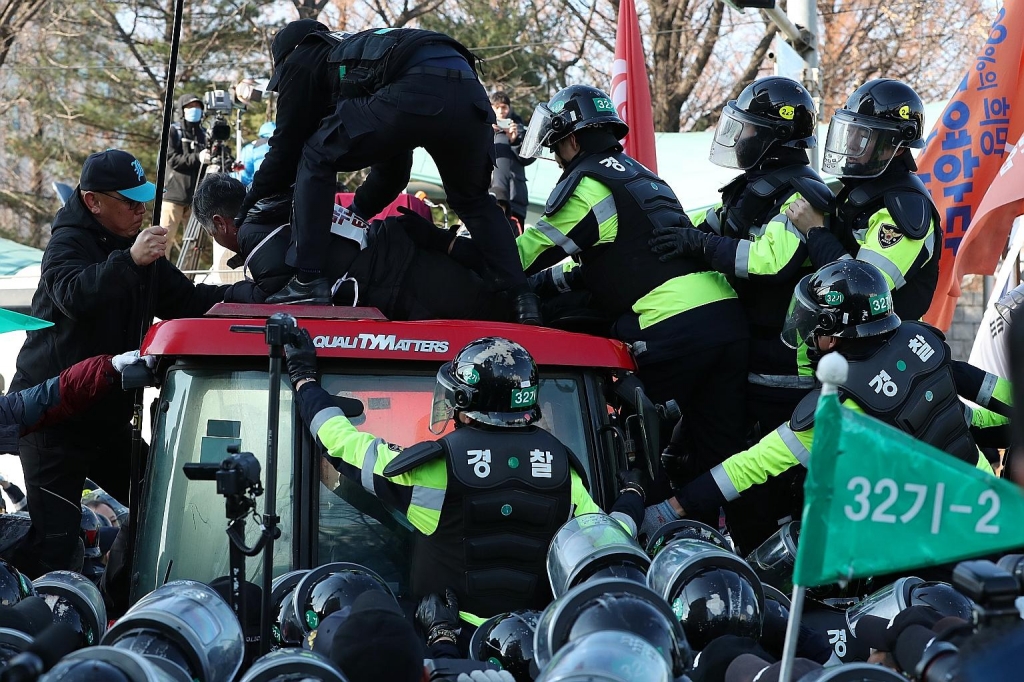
[(966, 149)]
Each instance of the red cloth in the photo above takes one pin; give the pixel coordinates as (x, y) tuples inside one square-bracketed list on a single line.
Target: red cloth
[(972, 166), (631, 93), (407, 200), (81, 386)]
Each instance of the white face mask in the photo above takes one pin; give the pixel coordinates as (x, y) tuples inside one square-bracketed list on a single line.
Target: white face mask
[(193, 114)]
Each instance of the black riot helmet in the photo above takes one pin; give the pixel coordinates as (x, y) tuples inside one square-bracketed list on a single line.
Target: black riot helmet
[(771, 111), (887, 602), (507, 641), (13, 585), (880, 118), (493, 381), (76, 601), (712, 592), (848, 299), (775, 559), (89, 531), (330, 588), (611, 605), (685, 528), (293, 666), (571, 110), (609, 656), (108, 664), (286, 631), (593, 547)]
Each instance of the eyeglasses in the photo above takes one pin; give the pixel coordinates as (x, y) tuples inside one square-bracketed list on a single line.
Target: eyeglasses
[(130, 203)]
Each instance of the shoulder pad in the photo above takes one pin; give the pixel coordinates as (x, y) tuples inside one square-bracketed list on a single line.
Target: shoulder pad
[(412, 457), (911, 211), (562, 191), (816, 192), (803, 415)]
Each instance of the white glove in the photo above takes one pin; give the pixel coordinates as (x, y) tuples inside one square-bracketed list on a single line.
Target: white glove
[(130, 358), (3, 479), (486, 676), (204, 157)]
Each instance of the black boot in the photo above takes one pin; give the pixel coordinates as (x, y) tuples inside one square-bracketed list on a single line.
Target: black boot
[(526, 309), (317, 292)]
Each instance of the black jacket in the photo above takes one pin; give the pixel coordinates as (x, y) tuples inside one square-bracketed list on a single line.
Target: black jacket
[(93, 292), (305, 95), (508, 179), (184, 143)]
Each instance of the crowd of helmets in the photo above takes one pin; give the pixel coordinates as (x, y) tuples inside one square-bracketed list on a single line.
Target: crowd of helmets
[(685, 608)]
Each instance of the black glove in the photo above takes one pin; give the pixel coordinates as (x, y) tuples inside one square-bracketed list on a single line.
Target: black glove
[(636, 480), (301, 358), (439, 616), (425, 234), (676, 242)]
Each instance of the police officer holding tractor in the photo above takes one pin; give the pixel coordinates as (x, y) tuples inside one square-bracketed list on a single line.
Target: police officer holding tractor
[(764, 133), (684, 323), (887, 216), (487, 498), (847, 306), (366, 100)]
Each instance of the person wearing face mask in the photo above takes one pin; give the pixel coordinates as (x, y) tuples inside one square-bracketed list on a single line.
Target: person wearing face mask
[(187, 154), (901, 373)]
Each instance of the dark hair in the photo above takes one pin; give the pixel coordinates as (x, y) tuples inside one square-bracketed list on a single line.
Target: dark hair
[(499, 97), (217, 194)]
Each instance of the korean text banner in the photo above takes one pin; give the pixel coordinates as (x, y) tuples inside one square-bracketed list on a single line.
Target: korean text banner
[(965, 151), (879, 501), (631, 94)]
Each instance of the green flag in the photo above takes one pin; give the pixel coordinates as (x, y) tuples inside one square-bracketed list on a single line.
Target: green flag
[(878, 501), (11, 321)]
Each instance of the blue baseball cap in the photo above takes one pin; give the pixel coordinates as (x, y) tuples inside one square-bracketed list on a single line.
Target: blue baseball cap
[(116, 171)]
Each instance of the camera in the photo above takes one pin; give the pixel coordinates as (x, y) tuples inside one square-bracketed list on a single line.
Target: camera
[(238, 474)]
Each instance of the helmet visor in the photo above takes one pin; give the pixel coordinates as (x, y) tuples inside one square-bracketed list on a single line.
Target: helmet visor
[(740, 140), (1009, 302), (538, 133), (443, 408), (856, 148), (802, 318)]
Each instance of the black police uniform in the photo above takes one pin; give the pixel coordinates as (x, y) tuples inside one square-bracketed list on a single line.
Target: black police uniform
[(400, 89), (903, 209), (752, 210), (485, 502), (684, 322), (906, 379)]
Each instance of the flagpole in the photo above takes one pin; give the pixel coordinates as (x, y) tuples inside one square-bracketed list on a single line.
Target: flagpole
[(833, 370)]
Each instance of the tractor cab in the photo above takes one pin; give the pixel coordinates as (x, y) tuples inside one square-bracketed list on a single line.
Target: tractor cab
[(213, 394)]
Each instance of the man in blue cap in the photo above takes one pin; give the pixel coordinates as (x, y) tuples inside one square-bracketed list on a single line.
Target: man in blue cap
[(93, 287)]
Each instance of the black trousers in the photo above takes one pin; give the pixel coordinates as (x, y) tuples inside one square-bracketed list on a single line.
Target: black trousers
[(708, 386), (56, 465), (449, 116)]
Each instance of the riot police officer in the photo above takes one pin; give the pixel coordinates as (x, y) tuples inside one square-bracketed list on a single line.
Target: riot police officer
[(764, 132), (847, 306), (366, 100), (684, 323), (486, 499), (888, 216)]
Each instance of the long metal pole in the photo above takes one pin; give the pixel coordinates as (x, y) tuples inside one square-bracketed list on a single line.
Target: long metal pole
[(149, 306), (796, 611)]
